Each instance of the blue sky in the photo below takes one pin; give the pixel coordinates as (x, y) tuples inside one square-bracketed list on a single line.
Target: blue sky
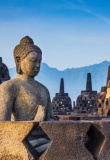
[(70, 33)]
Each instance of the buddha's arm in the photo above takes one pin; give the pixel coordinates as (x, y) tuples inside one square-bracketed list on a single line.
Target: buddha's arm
[(40, 115), (6, 101), (50, 114)]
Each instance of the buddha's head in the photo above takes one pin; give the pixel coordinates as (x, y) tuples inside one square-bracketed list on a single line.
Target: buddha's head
[(27, 57)]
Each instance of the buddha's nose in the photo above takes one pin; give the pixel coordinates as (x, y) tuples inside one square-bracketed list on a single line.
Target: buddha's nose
[(38, 65)]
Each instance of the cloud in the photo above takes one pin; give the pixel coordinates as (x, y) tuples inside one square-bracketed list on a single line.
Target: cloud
[(104, 19), (82, 7)]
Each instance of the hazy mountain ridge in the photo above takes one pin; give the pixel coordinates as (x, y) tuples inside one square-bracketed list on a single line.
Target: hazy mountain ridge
[(74, 79)]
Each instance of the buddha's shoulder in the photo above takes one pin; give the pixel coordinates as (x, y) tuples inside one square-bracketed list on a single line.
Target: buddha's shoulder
[(13, 83), (41, 86)]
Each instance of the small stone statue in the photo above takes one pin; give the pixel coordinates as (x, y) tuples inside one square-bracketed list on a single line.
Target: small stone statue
[(23, 97)]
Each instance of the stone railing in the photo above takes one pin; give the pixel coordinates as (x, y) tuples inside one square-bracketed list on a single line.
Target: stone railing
[(67, 140)]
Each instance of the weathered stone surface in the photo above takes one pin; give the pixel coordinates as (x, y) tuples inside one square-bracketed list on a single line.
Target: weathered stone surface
[(104, 153), (67, 141), (13, 142), (76, 118)]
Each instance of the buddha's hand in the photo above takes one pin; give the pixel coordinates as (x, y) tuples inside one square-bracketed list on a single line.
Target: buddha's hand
[(41, 113)]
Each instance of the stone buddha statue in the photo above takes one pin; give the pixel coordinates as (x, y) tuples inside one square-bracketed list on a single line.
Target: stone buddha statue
[(23, 97)]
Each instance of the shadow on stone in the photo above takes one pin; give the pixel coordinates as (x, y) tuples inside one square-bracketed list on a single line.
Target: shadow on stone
[(108, 114), (37, 142), (95, 141)]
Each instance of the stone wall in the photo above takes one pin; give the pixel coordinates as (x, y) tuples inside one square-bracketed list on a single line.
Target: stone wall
[(70, 140)]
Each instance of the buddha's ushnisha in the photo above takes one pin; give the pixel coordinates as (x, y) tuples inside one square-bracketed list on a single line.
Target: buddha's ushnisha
[(24, 97)]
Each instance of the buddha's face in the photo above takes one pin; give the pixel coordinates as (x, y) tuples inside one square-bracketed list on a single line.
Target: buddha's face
[(30, 66)]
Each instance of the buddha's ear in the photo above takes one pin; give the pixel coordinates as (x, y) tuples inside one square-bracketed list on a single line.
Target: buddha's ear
[(18, 59), (18, 65)]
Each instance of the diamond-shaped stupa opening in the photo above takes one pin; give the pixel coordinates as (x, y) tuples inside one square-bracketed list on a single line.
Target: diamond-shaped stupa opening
[(37, 142), (95, 141)]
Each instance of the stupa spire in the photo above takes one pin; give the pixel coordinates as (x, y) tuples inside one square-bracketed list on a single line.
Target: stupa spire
[(89, 83), (62, 86), (108, 77)]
